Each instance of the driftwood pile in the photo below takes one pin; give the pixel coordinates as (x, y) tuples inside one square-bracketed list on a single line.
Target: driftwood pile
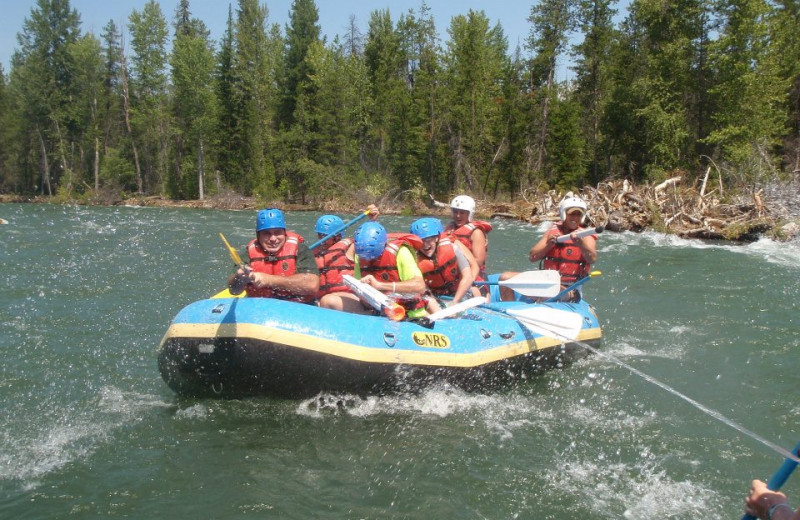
[(669, 207)]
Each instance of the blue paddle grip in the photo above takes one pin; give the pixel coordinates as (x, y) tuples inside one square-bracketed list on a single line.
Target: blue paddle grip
[(780, 477)]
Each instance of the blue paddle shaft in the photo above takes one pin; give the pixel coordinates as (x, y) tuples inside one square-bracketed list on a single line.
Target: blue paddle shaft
[(568, 289), (780, 477), (338, 230)]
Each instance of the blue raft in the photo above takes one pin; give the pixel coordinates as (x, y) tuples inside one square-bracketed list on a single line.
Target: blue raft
[(239, 347)]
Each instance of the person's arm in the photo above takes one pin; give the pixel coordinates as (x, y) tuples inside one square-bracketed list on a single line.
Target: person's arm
[(588, 247), (544, 245), (766, 504), (411, 281), (305, 281), (467, 266), (479, 246)]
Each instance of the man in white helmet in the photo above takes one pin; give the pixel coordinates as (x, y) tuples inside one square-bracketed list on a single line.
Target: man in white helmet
[(472, 233), (572, 258)]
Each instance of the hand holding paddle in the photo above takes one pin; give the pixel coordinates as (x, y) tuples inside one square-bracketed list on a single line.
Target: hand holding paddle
[(780, 477), (580, 234)]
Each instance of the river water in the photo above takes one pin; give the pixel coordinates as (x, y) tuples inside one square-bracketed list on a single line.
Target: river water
[(90, 430)]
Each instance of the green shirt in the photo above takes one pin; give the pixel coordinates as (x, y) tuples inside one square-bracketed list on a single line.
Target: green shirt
[(407, 267)]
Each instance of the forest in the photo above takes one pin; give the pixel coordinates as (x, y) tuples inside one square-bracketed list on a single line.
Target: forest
[(677, 87)]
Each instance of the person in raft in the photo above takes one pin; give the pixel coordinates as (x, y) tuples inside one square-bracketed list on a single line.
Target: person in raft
[(447, 266), (472, 233), (573, 258), (281, 265), (388, 263), (768, 505), (336, 256)]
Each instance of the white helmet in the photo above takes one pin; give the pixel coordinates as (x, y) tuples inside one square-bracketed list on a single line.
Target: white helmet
[(464, 202), (571, 202)]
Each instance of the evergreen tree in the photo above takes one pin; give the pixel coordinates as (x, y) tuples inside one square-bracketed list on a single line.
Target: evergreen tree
[(44, 76), (254, 74), (193, 103), (224, 88), (593, 77), (551, 21), (88, 58), (476, 61), (302, 32), (148, 86), (784, 52), (748, 90)]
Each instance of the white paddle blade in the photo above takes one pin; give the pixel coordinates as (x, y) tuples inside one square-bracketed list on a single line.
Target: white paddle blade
[(556, 323), (457, 307), (540, 284)]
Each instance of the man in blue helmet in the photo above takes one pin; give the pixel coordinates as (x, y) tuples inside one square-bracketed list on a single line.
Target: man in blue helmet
[(281, 265), (335, 256), (387, 263), (447, 266)]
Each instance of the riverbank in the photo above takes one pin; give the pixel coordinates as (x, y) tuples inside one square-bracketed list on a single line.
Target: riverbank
[(672, 207)]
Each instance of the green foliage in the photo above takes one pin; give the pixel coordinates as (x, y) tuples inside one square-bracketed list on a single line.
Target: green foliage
[(280, 113)]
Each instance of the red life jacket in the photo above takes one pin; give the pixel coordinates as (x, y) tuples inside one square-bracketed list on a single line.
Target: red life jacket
[(284, 263), (384, 268), (333, 264), (566, 258), (441, 271), (464, 235)]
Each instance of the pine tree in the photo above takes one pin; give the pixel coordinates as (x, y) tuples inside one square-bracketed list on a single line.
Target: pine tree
[(254, 74), (193, 103), (44, 75), (476, 61), (593, 77), (148, 86)]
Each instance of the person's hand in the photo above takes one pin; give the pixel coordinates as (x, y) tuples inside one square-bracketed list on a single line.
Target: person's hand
[(373, 212), (761, 499), (369, 280)]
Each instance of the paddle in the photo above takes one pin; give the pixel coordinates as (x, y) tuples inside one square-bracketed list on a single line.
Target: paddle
[(545, 320), (550, 322), (338, 230), (234, 254), (541, 284), (376, 299), (456, 308), (781, 476), (581, 234), (574, 286)]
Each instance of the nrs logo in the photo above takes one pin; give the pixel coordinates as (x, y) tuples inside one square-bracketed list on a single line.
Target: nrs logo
[(431, 340)]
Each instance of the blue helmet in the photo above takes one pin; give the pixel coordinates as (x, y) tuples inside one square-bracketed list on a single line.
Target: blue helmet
[(427, 227), (370, 240), (271, 218), (327, 223)]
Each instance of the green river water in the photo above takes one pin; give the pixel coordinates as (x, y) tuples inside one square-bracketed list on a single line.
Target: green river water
[(89, 429)]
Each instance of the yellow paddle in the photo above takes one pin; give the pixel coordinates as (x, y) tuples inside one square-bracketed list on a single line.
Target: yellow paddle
[(226, 293)]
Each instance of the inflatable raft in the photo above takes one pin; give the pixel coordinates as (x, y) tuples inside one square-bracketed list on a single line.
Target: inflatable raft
[(239, 347)]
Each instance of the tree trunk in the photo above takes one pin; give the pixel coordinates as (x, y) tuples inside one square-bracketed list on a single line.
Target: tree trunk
[(200, 172), (96, 164), (44, 166), (127, 110)]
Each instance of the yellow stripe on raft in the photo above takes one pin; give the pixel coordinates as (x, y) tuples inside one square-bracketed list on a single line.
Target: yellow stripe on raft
[(361, 353), (226, 293)]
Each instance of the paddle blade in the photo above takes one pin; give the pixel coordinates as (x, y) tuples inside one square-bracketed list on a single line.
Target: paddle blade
[(540, 284), (546, 321), (457, 307), (234, 254)]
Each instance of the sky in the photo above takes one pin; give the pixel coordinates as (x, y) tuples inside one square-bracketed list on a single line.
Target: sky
[(334, 16)]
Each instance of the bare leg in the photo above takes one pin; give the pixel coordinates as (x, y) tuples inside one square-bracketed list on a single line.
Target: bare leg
[(343, 301)]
